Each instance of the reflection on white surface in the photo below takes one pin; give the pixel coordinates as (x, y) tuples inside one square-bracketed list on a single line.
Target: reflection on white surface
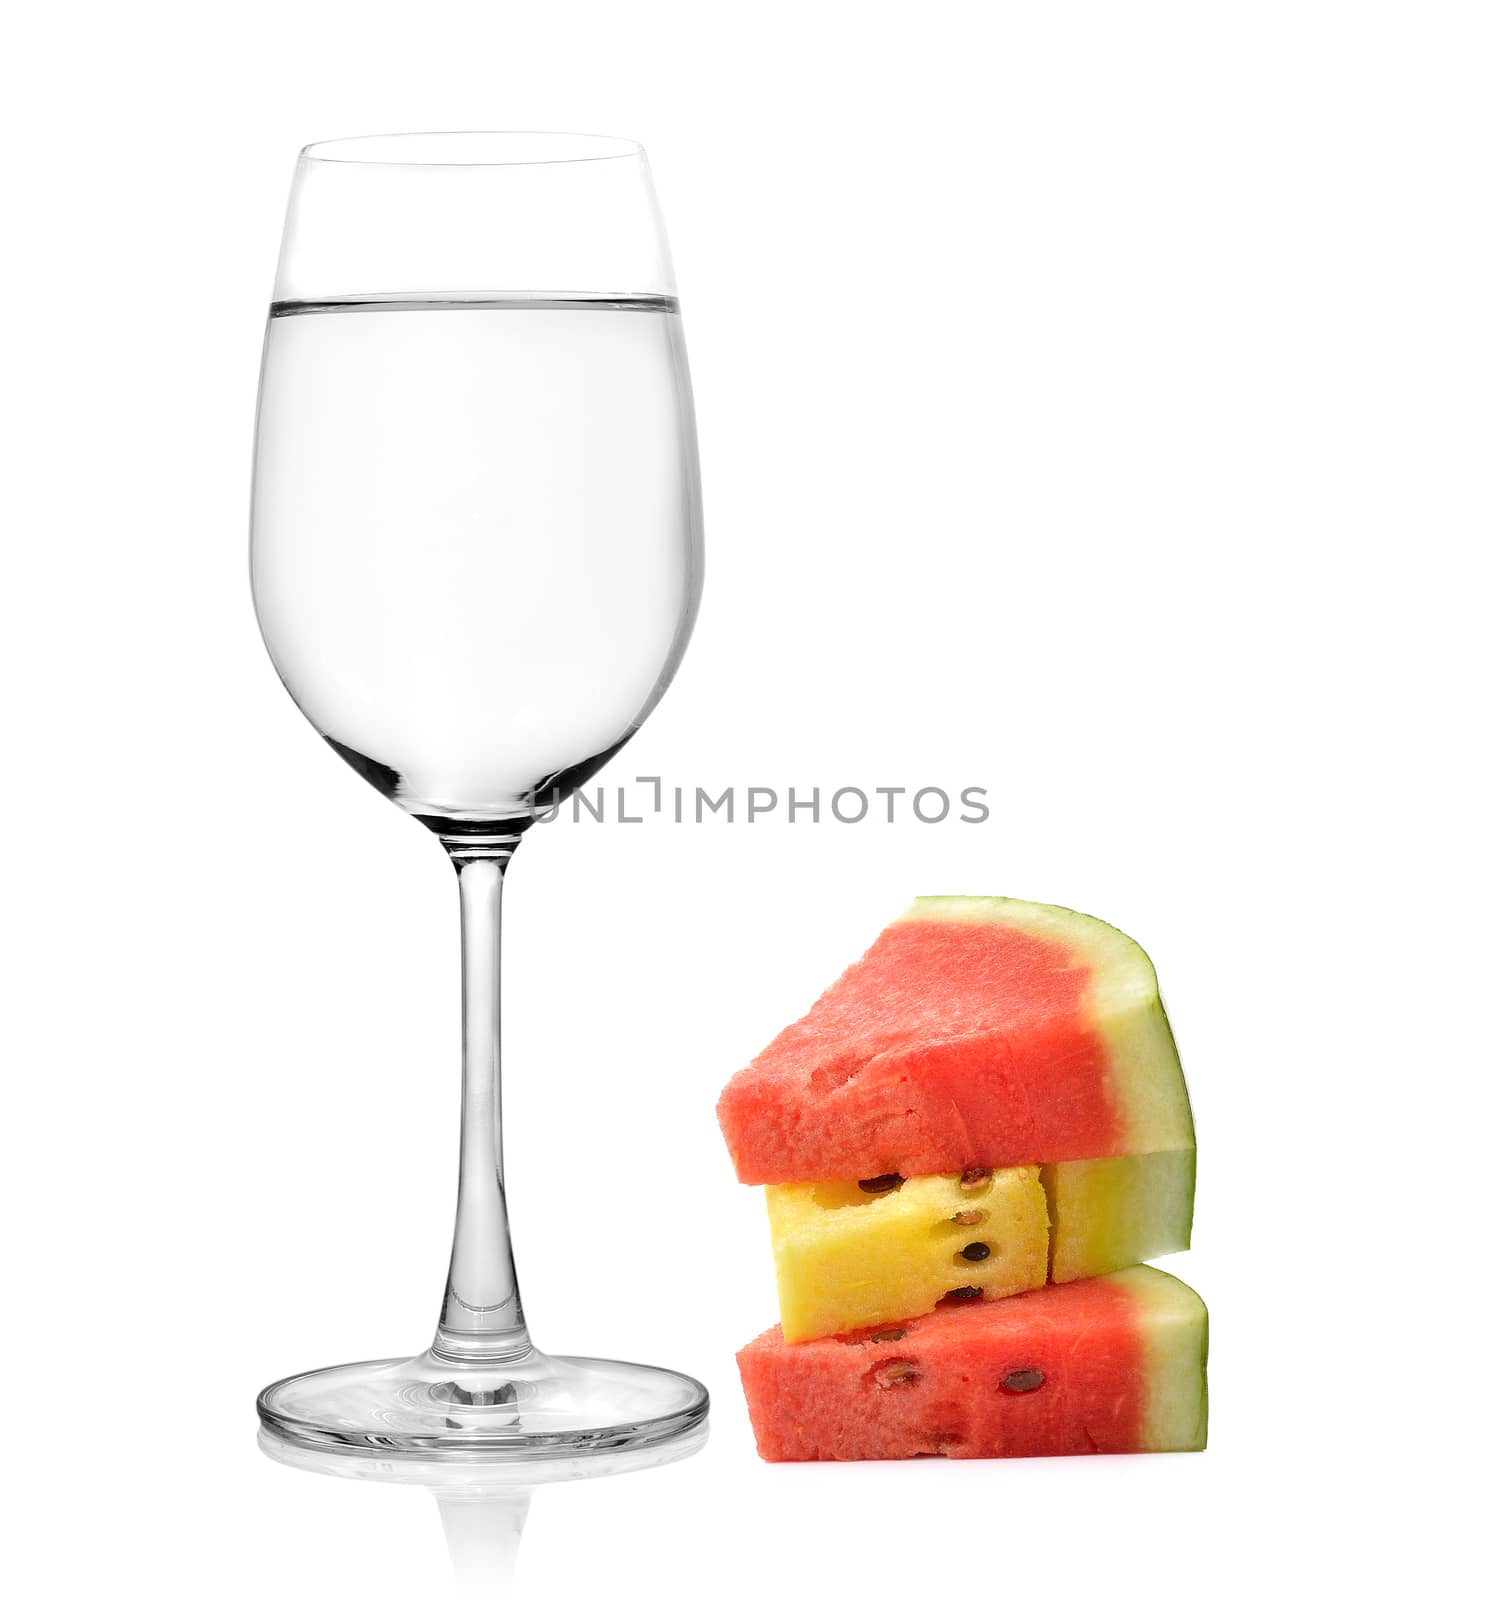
[(483, 1505)]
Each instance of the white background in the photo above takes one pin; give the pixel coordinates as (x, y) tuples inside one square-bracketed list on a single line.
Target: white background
[(1104, 404)]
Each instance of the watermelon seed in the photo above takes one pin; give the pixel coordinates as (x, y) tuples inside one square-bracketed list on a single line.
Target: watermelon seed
[(971, 1291), (968, 1219), (882, 1185), (974, 1179), (1022, 1380), (893, 1374), (886, 1335), (976, 1251)]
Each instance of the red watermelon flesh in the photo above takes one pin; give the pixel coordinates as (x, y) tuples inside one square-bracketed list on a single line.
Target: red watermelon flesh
[(1103, 1366), (976, 1032)]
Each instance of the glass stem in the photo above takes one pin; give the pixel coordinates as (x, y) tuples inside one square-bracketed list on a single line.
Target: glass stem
[(482, 1318)]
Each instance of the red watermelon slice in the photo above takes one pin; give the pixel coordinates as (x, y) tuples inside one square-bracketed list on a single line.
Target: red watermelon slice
[(975, 1032), (1103, 1366)]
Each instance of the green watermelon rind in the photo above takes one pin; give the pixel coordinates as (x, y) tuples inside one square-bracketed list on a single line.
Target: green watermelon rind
[(1113, 1211), (1147, 1081), (1175, 1329)]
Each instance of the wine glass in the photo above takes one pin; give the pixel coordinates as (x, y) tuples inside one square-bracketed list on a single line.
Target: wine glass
[(476, 560)]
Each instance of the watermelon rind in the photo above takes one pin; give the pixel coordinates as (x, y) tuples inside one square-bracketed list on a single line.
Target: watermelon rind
[(1175, 1329), (1113, 1211)]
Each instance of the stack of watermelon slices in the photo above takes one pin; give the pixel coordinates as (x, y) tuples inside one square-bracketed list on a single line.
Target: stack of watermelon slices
[(970, 1145)]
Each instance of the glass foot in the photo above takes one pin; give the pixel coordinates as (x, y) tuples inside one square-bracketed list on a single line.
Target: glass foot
[(536, 1408)]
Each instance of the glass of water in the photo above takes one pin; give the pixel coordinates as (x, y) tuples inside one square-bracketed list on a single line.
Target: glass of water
[(476, 561)]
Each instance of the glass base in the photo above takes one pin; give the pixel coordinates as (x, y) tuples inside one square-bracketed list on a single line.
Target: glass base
[(535, 1408)]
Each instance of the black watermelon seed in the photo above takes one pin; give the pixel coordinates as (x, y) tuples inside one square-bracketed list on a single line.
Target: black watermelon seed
[(976, 1251), (972, 1291), (1022, 1380), (882, 1185)]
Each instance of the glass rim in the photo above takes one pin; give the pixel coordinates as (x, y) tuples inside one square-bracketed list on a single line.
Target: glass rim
[(429, 149)]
